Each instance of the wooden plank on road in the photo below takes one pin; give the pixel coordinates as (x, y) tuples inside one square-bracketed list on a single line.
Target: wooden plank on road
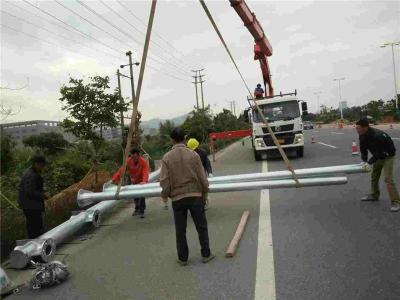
[(230, 252)]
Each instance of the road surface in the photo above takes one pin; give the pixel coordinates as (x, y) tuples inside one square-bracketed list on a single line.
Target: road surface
[(310, 243)]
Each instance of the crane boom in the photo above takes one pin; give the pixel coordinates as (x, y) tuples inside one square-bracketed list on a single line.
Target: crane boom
[(262, 47)]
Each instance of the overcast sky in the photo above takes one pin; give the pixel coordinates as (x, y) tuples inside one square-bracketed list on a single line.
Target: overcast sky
[(313, 43)]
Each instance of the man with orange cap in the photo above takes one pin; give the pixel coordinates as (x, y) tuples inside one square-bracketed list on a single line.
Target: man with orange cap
[(138, 169)]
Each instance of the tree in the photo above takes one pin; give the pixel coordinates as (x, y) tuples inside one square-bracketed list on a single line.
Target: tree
[(6, 154), (199, 125), (49, 142), (91, 108), (375, 109), (226, 121)]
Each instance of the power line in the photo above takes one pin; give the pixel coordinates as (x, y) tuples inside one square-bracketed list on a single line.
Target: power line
[(91, 23), (120, 30), (155, 33), (81, 32), (55, 33), (115, 58), (46, 20), (37, 38), (130, 24), (154, 42)]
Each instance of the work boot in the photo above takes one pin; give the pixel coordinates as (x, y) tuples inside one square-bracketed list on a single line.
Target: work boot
[(395, 207), (135, 213), (208, 258), (369, 198), (141, 215), (182, 263)]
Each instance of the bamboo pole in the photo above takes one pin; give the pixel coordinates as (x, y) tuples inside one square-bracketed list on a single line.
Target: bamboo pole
[(137, 96)]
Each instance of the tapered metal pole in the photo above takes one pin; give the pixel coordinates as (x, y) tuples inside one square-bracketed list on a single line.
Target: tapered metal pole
[(44, 247), (302, 173), (86, 197)]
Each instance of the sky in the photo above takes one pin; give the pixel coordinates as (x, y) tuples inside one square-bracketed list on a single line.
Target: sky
[(313, 43)]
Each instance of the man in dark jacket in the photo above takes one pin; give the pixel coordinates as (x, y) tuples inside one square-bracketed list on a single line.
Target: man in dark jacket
[(383, 153), (193, 144), (31, 197)]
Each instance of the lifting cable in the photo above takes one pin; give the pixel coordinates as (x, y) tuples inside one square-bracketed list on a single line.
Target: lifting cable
[(285, 158), (137, 96)]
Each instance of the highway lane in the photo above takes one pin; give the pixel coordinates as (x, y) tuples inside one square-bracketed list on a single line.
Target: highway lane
[(326, 244)]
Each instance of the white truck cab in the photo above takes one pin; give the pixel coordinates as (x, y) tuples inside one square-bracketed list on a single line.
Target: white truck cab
[(285, 119)]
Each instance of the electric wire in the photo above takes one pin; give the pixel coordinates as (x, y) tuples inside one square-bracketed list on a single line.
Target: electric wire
[(58, 19), (126, 34), (115, 59), (183, 67), (92, 38), (91, 23), (126, 8), (56, 34)]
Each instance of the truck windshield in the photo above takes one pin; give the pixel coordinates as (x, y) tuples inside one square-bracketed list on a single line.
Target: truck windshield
[(278, 111)]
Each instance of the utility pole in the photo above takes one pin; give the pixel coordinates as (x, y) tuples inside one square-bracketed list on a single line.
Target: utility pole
[(392, 44), (129, 54), (121, 101), (195, 87), (340, 96), (201, 89), (200, 80), (234, 107)]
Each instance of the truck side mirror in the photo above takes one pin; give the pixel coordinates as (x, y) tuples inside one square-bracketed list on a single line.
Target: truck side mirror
[(246, 115), (304, 108)]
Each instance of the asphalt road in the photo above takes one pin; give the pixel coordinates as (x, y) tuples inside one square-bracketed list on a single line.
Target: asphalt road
[(323, 243)]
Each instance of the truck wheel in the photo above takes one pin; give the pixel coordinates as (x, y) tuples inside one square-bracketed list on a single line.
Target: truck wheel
[(257, 155), (300, 151)]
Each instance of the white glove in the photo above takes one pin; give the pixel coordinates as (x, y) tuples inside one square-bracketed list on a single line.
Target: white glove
[(210, 175), (366, 166)]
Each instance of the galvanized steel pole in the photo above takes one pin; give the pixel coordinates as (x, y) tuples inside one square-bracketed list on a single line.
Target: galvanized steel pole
[(86, 197), (302, 173)]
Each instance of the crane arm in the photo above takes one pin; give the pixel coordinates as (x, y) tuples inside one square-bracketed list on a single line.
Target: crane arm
[(262, 47)]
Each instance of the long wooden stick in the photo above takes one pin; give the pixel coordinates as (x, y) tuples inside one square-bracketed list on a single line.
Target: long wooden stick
[(137, 96), (231, 250)]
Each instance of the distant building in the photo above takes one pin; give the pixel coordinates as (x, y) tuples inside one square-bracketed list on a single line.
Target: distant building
[(110, 134), (18, 131)]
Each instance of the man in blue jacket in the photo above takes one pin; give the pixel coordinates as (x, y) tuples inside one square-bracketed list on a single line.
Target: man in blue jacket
[(383, 153), (31, 197)]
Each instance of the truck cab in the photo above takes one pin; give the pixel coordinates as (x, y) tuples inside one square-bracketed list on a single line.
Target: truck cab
[(284, 115)]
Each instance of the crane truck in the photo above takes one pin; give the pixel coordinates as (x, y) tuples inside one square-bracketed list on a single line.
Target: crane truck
[(283, 112)]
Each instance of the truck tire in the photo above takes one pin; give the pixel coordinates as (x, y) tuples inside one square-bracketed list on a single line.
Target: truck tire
[(257, 156), (300, 151)]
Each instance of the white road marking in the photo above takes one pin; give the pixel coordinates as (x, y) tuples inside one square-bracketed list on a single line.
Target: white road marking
[(395, 138), (265, 274), (327, 145), (337, 132)]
